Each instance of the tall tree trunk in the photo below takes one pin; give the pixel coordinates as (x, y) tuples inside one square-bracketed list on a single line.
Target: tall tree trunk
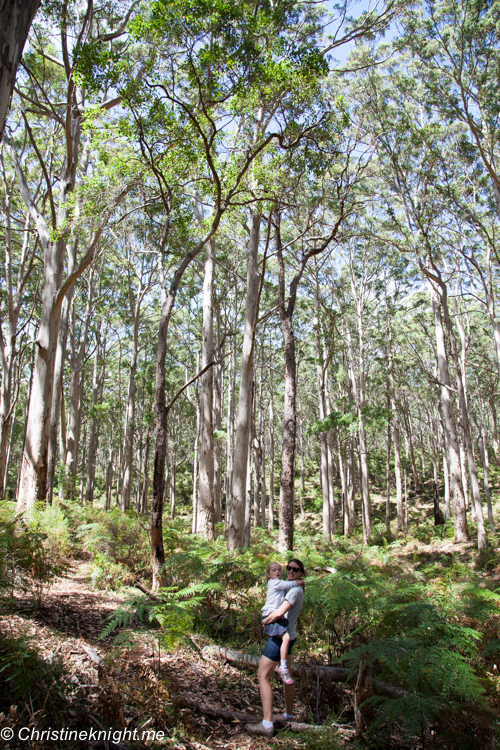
[(248, 485), (359, 399), (270, 523), (302, 462), (351, 504), (388, 473), (343, 483), (287, 478), (496, 449), (490, 303), (243, 423), (206, 513), (230, 417), (320, 371), (262, 447), (409, 434), (395, 429), (16, 17), (462, 397), (195, 506), (91, 459), (218, 391), (76, 356), (128, 451), (173, 480), (484, 457), (145, 485), (257, 457), (457, 496)]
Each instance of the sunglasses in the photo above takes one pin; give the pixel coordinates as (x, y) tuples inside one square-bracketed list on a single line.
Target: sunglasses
[(292, 567)]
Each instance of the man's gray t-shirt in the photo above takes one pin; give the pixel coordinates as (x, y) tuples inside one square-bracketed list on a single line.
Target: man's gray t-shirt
[(296, 598)]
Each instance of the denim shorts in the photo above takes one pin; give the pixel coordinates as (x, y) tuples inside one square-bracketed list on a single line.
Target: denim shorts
[(272, 648)]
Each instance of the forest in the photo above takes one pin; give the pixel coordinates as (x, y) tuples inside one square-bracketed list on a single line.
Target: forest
[(248, 311)]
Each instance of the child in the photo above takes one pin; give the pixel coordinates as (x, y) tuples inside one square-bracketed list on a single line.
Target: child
[(276, 589)]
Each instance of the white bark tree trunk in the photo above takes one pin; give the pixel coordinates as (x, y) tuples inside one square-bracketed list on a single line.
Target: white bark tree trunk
[(244, 418), (457, 496), (395, 429), (128, 451), (206, 506)]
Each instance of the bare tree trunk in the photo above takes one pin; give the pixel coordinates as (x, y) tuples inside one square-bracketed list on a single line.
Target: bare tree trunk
[(327, 534), (16, 17), (463, 472), (194, 526), (128, 450), (145, 485), (230, 417), (343, 483), (248, 485), (462, 398), (206, 513), (270, 524), (496, 449), (262, 447), (388, 473), (256, 479), (351, 500), (484, 457), (490, 302), (287, 478), (458, 500), (395, 428), (256, 458), (109, 481), (109, 473), (76, 358), (173, 480), (243, 423), (409, 434), (302, 464), (89, 485), (359, 398), (218, 391), (331, 482)]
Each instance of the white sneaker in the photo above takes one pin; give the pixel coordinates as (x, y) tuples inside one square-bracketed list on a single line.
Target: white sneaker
[(284, 674)]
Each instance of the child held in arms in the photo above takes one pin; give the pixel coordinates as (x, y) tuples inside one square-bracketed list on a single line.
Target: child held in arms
[(276, 589)]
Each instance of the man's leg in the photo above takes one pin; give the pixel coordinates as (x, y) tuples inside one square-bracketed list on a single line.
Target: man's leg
[(266, 668), (289, 691)]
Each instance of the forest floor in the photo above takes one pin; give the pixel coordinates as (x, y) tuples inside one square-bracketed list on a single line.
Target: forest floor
[(127, 683), (135, 687)]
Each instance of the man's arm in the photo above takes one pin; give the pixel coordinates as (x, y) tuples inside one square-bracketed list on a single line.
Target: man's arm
[(277, 613)]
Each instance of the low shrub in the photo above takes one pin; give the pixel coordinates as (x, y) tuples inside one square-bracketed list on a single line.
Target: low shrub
[(30, 556)]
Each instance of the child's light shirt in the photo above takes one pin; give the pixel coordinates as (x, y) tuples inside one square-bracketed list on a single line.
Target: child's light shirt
[(276, 589)]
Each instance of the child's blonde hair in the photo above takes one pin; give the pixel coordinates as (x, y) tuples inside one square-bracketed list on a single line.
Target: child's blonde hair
[(268, 569)]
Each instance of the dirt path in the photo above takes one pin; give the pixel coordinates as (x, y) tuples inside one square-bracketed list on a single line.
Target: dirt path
[(134, 687)]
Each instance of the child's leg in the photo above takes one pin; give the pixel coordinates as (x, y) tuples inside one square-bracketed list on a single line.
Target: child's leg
[(285, 641), (282, 670)]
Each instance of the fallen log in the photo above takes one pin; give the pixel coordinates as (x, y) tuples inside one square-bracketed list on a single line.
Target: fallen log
[(230, 655), (216, 713), (325, 674), (223, 713)]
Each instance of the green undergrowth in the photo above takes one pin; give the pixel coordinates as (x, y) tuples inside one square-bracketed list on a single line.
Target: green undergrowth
[(30, 683), (420, 612), (32, 552)]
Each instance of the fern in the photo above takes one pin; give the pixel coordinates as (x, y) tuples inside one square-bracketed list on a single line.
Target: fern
[(431, 657), (174, 612), (136, 607), (480, 603)]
